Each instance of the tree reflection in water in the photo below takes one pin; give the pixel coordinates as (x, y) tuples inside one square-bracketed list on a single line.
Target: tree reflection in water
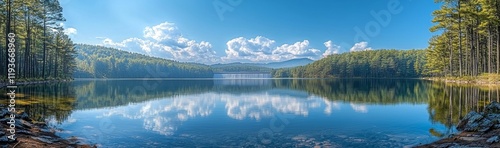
[(447, 103), (46, 101)]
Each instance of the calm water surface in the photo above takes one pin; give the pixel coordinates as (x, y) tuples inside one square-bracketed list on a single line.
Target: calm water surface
[(253, 112)]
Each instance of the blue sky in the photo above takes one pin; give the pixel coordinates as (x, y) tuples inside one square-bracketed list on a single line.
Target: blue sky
[(221, 31)]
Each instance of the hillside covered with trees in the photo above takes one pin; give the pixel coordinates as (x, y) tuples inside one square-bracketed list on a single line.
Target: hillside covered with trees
[(373, 63), (103, 62), (42, 50)]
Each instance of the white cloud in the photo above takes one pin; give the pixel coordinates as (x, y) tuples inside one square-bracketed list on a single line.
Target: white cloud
[(166, 41), (132, 45), (165, 116), (359, 108), (331, 48), (70, 31), (262, 49), (330, 106), (361, 46), (163, 31)]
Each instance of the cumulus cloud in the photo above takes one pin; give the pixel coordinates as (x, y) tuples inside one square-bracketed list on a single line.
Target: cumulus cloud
[(331, 48), (134, 45), (361, 46), (261, 49), (70, 31), (166, 41)]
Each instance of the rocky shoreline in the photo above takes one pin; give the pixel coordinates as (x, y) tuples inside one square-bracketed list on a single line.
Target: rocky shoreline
[(32, 134), (478, 130)]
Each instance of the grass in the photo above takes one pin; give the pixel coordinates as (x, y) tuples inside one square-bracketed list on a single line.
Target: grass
[(489, 77), (482, 78), (485, 80)]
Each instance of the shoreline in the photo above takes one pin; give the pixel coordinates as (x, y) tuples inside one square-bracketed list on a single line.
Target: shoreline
[(476, 130), (29, 133), (488, 80), (4, 84)]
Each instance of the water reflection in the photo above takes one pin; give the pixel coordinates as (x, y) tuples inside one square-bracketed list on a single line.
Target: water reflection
[(449, 103), (164, 116), (112, 93), (173, 107), (45, 101), (359, 108), (243, 82)]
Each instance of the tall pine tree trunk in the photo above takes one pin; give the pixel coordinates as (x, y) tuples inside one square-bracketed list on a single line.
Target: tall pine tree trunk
[(44, 47), (27, 45), (489, 49), (459, 40), (7, 31), (451, 55), (498, 49)]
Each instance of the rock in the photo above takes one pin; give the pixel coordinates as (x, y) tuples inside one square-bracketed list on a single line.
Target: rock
[(492, 108), (46, 139), (24, 132), (493, 139), (471, 138), (476, 127), (4, 139), (19, 124), (3, 112), (474, 121), (470, 122), (24, 116), (484, 125), (26, 124), (446, 145)]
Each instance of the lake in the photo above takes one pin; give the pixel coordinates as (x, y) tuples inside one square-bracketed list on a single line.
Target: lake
[(253, 112)]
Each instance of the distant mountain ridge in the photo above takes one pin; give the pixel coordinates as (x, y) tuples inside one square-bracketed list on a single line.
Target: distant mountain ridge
[(289, 63)]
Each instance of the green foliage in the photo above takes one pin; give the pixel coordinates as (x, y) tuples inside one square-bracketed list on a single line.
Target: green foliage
[(374, 63), (489, 77), (468, 43), (102, 62), (43, 51)]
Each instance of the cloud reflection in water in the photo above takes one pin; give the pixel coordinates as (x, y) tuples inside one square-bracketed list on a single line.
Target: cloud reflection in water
[(166, 115)]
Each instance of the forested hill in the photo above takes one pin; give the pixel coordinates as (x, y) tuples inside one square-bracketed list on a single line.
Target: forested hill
[(103, 62), (373, 63)]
